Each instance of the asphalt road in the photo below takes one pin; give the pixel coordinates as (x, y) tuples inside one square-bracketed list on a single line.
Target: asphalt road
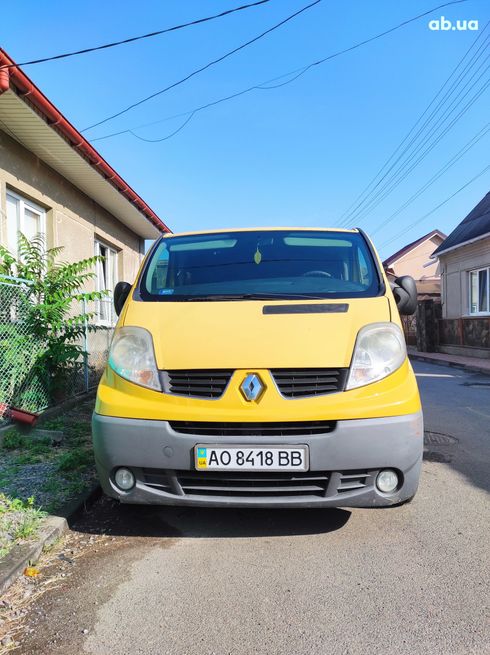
[(405, 580)]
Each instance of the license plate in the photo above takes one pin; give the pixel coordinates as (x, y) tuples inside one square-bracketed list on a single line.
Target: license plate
[(246, 458)]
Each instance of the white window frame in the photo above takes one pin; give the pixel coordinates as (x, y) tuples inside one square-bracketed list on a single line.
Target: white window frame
[(13, 231), (485, 312), (112, 277)]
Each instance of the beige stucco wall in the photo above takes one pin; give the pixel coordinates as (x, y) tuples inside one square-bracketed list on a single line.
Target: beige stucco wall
[(455, 266), (73, 220), (412, 263)]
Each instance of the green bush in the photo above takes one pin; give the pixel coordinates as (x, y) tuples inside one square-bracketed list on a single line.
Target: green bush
[(13, 440), (75, 459)]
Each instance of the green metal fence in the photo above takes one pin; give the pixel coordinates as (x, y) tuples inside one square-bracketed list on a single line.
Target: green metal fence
[(23, 383)]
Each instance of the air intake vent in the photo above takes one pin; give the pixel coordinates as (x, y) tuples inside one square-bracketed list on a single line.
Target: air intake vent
[(276, 429), (196, 383), (351, 480), (245, 485), (298, 383)]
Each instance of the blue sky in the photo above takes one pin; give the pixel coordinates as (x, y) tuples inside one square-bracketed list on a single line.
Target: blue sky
[(296, 155)]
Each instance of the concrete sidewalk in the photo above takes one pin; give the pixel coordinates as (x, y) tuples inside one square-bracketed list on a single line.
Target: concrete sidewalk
[(476, 364)]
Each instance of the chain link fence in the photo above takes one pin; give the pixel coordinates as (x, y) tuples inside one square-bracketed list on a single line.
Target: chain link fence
[(20, 382), (23, 383)]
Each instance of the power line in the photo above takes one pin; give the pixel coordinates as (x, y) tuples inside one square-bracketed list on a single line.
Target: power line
[(169, 136), (203, 68), (262, 85), (422, 218), (406, 156), (361, 198), (478, 137), (137, 38), (401, 173)]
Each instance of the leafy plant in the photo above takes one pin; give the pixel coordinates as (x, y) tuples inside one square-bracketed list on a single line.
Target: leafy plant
[(19, 520), (75, 459), (51, 318), (13, 440)]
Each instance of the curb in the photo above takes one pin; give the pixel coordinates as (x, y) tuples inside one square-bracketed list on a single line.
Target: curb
[(441, 362), (54, 527), (69, 403)]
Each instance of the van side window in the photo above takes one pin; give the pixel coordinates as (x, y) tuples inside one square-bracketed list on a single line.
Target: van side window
[(363, 268), (159, 274)]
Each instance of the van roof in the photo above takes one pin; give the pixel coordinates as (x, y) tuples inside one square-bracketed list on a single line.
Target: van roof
[(259, 229)]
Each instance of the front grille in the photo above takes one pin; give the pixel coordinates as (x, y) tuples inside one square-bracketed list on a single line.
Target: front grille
[(297, 383), (198, 383), (248, 484), (269, 429), (245, 484)]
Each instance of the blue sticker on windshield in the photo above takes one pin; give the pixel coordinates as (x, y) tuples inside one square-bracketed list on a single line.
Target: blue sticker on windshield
[(165, 292)]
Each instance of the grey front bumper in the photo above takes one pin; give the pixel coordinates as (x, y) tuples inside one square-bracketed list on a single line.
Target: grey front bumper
[(152, 449)]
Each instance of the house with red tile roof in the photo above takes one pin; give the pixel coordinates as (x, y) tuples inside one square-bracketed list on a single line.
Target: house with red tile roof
[(54, 182)]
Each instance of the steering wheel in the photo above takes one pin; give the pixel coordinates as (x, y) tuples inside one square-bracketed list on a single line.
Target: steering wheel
[(316, 274)]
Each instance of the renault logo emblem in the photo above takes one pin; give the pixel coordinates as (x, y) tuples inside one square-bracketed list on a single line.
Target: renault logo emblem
[(252, 387)]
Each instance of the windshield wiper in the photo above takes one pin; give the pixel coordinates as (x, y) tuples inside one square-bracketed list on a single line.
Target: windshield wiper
[(247, 296)]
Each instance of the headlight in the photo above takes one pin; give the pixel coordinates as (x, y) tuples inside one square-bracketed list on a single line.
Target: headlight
[(132, 357), (379, 351)]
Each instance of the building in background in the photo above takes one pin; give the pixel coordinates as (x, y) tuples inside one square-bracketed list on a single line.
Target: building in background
[(53, 182), (464, 258), (415, 259)]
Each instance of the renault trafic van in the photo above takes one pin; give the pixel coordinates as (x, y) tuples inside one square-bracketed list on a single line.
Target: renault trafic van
[(260, 368)]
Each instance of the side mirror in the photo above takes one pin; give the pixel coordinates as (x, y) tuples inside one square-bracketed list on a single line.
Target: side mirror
[(121, 292), (405, 292)]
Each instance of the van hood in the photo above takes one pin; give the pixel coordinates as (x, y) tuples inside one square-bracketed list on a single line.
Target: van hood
[(239, 334)]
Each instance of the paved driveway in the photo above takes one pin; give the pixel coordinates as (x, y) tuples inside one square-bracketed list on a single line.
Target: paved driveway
[(402, 580)]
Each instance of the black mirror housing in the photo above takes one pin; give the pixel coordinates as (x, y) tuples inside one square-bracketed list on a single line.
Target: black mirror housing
[(121, 292), (405, 292)]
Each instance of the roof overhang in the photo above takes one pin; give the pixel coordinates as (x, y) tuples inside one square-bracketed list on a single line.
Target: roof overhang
[(392, 259), (29, 117), (460, 245)]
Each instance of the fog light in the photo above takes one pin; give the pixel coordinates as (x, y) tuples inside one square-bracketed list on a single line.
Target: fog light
[(124, 479), (387, 481)]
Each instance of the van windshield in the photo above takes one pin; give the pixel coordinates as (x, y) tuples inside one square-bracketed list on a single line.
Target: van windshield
[(260, 265)]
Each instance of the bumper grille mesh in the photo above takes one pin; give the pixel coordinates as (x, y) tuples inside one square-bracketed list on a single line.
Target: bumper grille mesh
[(268, 429), (255, 484), (351, 480), (260, 484)]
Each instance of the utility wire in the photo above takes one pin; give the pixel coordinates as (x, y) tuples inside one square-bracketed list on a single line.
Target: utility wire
[(164, 138), (203, 68), (400, 174), (398, 181), (478, 137), (262, 85), (361, 198), (422, 218), (137, 38), (426, 145)]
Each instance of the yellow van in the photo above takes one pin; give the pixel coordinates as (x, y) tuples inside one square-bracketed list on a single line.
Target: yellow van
[(260, 368)]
